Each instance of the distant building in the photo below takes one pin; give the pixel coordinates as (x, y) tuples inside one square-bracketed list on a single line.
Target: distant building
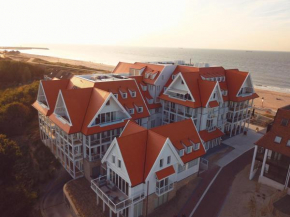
[(182, 111), (272, 153)]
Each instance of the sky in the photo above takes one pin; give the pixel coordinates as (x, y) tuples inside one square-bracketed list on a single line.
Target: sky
[(210, 24)]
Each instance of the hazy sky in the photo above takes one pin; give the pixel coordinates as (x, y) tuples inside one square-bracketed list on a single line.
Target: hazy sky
[(225, 24)]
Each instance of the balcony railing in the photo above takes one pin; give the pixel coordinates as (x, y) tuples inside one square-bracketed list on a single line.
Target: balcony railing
[(94, 156), (162, 190), (210, 128), (115, 199)]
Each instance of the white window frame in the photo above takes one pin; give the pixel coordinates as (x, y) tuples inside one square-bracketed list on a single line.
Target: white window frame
[(113, 159), (181, 152), (119, 163), (168, 160), (161, 163), (278, 139)]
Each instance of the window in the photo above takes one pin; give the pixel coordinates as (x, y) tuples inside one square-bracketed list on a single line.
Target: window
[(181, 168), (181, 152), (119, 163), (162, 76), (124, 95), (116, 95), (182, 82), (133, 93), (189, 149), (288, 143), (278, 139), (161, 163), (131, 111), (113, 159), (192, 163), (168, 159), (196, 146), (173, 76), (108, 103), (140, 109), (214, 96), (284, 122)]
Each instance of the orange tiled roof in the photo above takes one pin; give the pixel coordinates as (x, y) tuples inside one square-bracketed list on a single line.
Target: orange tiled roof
[(206, 88), (213, 104), (235, 80), (208, 136), (51, 89), (76, 101), (140, 147), (178, 132), (267, 141), (125, 85), (161, 174)]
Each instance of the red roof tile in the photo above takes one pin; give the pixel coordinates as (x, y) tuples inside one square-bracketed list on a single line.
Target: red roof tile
[(161, 174), (267, 141), (213, 104), (206, 88), (51, 89), (208, 136)]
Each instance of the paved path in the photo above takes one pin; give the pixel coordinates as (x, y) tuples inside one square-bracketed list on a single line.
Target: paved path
[(211, 204), (53, 204), (209, 196)]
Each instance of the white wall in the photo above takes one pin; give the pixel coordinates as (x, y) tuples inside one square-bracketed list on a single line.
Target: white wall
[(120, 171), (184, 174)]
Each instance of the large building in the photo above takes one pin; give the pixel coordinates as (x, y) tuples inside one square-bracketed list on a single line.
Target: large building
[(81, 120), (272, 153)]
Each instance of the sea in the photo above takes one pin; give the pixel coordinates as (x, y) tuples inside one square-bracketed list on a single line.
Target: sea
[(269, 70)]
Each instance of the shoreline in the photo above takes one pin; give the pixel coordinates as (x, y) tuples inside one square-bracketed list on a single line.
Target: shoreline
[(68, 61), (273, 99)]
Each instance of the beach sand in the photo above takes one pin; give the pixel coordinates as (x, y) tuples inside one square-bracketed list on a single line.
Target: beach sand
[(272, 100), (30, 57)]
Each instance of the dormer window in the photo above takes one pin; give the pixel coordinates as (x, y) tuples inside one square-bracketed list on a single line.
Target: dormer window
[(196, 146), (284, 122), (124, 95), (173, 76), (181, 152), (132, 93), (108, 103), (152, 76), (288, 143), (189, 149), (147, 75), (278, 139), (116, 95), (143, 86), (225, 92), (140, 109), (131, 111)]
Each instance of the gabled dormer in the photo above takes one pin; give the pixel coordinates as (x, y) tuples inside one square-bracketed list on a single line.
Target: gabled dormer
[(216, 97), (61, 111), (178, 89), (247, 87), (110, 112), (41, 97)]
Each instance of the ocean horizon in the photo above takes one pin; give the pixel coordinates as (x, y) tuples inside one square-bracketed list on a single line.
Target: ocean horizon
[(270, 70)]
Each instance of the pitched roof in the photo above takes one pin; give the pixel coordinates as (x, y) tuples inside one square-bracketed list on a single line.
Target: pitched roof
[(51, 89), (141, 147), (208, 136), (123, 67), (206, 88), (126, 85), (76, 102), (213, 104), (161, 174), (191, 80), (181, 131), (235, 80), (277, 129)]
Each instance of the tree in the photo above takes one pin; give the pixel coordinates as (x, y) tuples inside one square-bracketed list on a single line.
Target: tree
[(9, 153)]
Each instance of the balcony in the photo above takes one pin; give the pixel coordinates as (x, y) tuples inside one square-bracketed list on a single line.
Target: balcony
[(94, 157), (178, 94), (164, 189), (246, 91), (112, 196), (210, 128), (238, 118)]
